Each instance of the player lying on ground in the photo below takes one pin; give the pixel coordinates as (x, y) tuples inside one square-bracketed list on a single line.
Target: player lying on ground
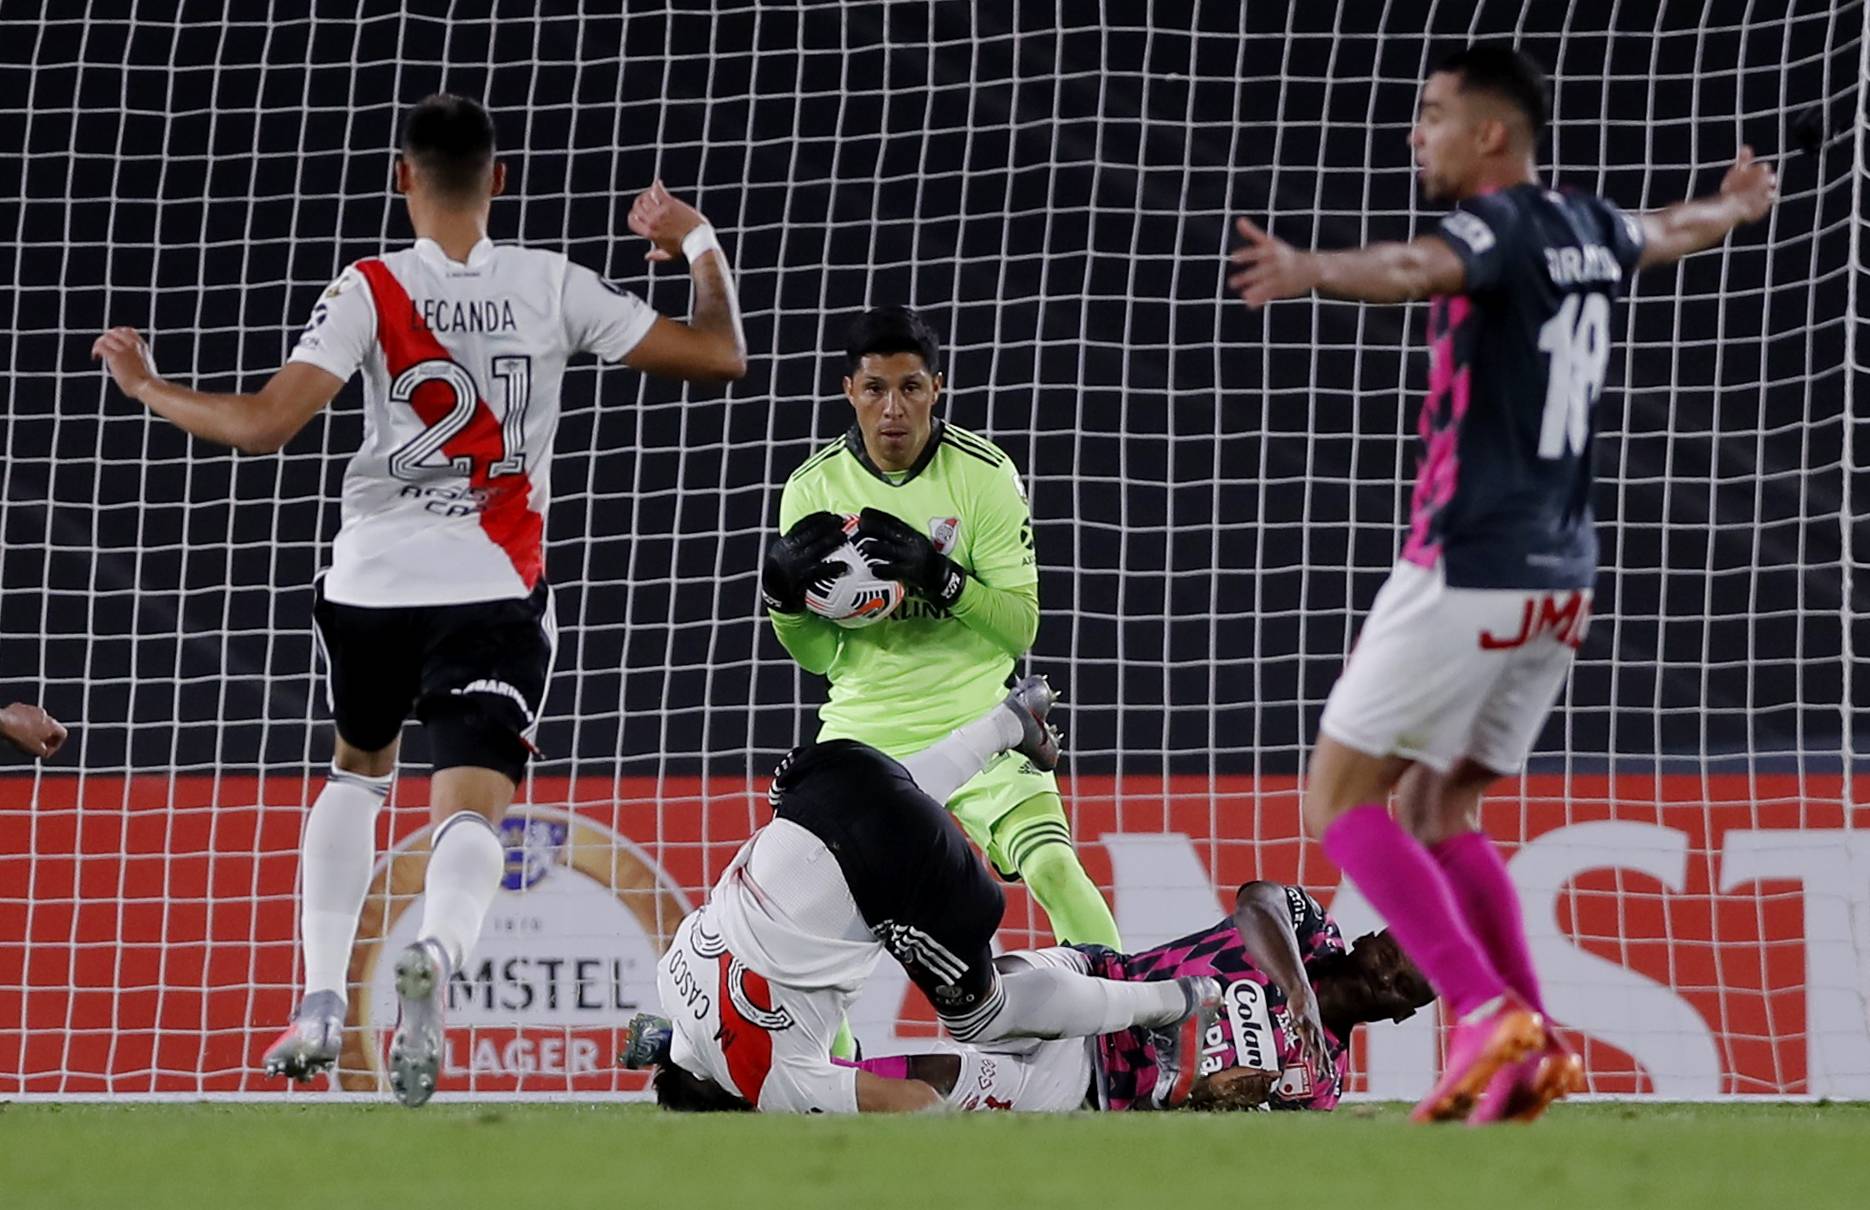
[(436, 602), (1292, 994), (31, 730), (1468, 644), (860, 860), (943, 510)]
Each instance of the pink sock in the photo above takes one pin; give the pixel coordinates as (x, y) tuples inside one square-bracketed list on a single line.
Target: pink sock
[(1400, 879), (1490, 905), (890, 1067)]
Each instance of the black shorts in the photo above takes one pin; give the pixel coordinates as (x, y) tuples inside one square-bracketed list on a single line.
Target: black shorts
[(921, 889), (474, 674)]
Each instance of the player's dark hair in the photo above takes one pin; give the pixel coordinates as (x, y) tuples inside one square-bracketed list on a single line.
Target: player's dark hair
[(450, 141), (1507, 73), (682, 1092), (891, 330)]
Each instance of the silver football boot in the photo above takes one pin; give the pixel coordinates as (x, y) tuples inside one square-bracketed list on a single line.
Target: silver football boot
[(1030, 701), (416, 1046), (1178, 1047), (312, 1040)]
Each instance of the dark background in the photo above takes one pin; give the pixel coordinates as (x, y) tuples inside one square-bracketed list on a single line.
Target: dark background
[(1218, 493)]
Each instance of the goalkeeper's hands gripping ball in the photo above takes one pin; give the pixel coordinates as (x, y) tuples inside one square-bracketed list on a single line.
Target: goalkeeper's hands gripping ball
[(895, 550), (798, 559)]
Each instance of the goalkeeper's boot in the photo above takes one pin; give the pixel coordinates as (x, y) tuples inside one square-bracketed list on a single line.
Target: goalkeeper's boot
[(1522, 1091), (416, 1047), (1498, 1034), (311, 1042), (1030, 701), (646, 1042), (1178, 1047)]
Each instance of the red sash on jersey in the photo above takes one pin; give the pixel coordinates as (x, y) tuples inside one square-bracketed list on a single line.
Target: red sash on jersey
[(507, 518)]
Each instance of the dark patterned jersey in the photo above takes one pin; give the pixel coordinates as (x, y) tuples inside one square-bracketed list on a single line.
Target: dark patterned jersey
[(1254, 1029), (1516, 364)]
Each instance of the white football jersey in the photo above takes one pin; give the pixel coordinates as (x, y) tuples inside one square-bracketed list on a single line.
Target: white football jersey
[(757, 981), (445, 502)]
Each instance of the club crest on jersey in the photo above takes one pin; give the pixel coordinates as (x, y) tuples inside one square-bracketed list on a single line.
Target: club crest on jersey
[(1295, 1082), (945, 532)]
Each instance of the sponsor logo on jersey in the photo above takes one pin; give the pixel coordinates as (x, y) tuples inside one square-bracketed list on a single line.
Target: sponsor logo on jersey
[(461, 315), (1470, 229), (448, 501), (1214, 1049), (1254, 1043), (568, 954)]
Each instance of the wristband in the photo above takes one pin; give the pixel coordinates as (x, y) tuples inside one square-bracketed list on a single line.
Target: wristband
[(699, 243)]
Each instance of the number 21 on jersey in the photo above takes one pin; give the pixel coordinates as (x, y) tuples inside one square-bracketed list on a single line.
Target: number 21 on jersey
[(1578, 339), (501, 446)]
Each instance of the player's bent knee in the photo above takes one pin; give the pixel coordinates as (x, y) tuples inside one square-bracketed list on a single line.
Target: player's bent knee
[(347, 757), (468, 734)]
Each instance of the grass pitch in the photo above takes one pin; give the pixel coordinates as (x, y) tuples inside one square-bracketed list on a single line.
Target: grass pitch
[(457, 1157)]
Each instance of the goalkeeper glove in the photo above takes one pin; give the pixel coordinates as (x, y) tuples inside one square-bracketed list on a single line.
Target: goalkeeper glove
[(896, 551), (797, 560)]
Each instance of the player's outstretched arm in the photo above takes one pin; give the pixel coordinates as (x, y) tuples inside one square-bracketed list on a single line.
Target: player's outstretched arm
[(1265, 924), (710, 347), (1747, 193), (30, 729), (1267, 269), (255, 424)]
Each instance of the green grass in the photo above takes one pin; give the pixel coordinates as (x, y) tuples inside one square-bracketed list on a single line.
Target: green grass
[(335, 1157)]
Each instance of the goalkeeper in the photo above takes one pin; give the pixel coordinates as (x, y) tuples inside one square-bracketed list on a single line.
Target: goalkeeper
[(943, 511)]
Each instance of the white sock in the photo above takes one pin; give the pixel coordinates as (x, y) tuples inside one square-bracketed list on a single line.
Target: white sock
[(1052, 1003), (335, 857), (948, 764), (464, 874)]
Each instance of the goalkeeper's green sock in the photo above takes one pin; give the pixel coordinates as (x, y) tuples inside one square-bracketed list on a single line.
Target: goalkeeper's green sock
[(1035, 841), (1071, 900), (844, 1045)]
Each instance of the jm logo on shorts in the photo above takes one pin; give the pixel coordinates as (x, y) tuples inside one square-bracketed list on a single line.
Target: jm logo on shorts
[(1544, 615)]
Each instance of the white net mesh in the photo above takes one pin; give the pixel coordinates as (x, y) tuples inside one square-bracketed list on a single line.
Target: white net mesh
[(1217, 495)]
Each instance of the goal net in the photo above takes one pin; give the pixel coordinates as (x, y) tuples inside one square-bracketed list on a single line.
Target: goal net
[(1217, 494)]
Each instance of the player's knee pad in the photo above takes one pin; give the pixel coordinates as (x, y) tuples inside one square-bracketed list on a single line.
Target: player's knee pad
[(476, 731)]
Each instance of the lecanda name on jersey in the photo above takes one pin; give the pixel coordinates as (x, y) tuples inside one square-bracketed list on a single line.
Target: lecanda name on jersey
[(461, 315)]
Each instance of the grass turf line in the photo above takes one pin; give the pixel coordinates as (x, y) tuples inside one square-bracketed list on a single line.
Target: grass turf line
[(459, 1156)]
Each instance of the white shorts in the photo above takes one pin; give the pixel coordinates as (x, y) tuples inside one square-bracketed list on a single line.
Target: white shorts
[(1442, 673)]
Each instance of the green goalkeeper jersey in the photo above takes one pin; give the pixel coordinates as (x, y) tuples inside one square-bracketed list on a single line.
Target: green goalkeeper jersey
[(906, 681)]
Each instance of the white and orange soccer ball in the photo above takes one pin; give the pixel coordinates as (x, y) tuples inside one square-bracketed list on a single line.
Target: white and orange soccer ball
[(859, 597)]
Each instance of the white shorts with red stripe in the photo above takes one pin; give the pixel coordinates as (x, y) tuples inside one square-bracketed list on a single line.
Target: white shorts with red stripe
[(765, 1041), (1442, 673)]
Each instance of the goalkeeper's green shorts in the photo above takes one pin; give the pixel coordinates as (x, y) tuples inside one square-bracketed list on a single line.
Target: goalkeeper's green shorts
[(979, 805)]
